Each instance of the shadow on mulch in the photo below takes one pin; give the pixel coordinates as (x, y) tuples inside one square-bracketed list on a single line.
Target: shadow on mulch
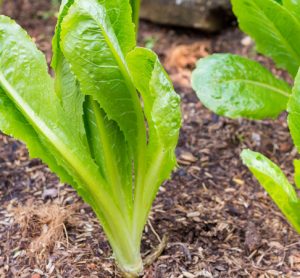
[(219, 220)]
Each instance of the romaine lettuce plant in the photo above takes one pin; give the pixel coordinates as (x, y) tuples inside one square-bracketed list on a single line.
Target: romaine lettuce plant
[(108, 123), (234, 87)]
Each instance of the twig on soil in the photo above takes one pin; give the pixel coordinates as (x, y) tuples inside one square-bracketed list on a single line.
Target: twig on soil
[(150, 259), (153, 231)]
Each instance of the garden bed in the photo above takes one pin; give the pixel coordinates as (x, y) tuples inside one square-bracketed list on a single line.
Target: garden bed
[(219, 221)]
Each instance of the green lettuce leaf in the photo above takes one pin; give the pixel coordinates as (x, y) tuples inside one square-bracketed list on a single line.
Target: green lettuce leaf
[(119, 104), (274, 28), (162, 111), (234, 86), (21, 94), (276, 184), (161, 106), (12, 121), (32, 112), (297, 172), (118, 12), (91, 46), (293, 6), (294, 113), (111, 152), (66, 85)]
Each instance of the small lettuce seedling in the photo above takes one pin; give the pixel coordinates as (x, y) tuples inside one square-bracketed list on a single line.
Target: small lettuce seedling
[(234, 87), (108, 123)]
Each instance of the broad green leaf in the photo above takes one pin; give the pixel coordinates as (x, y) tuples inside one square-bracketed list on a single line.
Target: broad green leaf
[(293, 6), (106, 141), (297, 172), (274, 28), (91, 46), (13, 123), (63, 11), (31, 108), (161, 104), (294, 113), (30, 91), (119, 14), (276, 184), (111, 87), (162, 110), (111, 152), (66, 86), (234, 86), (13, 42)]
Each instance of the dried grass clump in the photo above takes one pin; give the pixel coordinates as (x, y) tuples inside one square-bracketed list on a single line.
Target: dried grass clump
[(44, 226)]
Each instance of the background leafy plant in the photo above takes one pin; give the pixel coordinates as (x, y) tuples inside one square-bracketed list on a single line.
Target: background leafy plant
[(88, 124), (235, 87)]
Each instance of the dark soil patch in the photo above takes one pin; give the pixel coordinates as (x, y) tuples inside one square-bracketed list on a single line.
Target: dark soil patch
[(220, 222)]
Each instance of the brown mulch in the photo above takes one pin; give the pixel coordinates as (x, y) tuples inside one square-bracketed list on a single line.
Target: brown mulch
[(219, 221)]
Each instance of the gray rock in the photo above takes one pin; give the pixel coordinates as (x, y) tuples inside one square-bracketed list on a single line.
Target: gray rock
[(208, 15)]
